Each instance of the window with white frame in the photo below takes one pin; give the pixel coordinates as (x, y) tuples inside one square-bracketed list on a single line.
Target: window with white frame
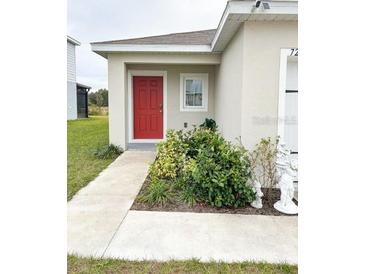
[(194, 91)]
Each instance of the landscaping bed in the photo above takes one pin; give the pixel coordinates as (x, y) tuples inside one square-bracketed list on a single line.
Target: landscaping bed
[(199, 171), (177, 205)]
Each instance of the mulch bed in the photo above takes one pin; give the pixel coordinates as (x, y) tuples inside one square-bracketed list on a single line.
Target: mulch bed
[(177, 206)]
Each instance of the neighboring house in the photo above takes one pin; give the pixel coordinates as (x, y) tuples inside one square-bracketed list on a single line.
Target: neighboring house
[(76, 93), (242, 74), (82, 100)]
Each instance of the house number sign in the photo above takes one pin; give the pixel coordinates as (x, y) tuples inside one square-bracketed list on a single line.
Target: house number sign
[(293, 52)]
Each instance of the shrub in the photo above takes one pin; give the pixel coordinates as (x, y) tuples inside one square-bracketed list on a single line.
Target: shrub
[(187, 195), (108, 152), (263, 163), (220, 172), (196, 139), (209, 124), (170, 156), (157, 193), (201, 166)]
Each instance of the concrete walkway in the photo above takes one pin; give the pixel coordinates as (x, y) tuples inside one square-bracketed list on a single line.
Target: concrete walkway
[(101, 225), (221, 237), (96, 211)]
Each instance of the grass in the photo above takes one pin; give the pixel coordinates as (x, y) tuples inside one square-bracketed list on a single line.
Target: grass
[(84, 136), (96, 266)]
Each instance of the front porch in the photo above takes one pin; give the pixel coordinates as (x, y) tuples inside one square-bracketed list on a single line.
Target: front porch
[(169, 112), (150, 98)]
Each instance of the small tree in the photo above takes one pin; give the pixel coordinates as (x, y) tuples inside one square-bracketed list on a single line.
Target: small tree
[(104, 93), (99, 100), (263, 163)]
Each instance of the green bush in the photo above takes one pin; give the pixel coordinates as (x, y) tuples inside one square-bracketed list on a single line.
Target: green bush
[(196, 139), (108, 152), (170, 156), (157, 193), (209, 124), (220, 172), (200, 165)]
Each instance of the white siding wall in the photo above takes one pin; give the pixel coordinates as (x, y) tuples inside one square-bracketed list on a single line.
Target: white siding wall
[(71, 62), (71, 101), (71, 82)]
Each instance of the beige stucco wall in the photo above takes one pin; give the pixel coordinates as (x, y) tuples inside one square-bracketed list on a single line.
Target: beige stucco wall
[(260, 76), (117, 100), (229, 88), (174, 64), (247, 80)]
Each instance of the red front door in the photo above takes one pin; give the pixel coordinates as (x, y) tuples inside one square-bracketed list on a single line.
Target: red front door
[(148, 107)]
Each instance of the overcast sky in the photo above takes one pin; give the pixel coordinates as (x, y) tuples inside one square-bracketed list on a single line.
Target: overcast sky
[(95, 20)]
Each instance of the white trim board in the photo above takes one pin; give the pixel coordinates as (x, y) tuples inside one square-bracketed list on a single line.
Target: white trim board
[(284, 55), (150, 48), (132, 73)]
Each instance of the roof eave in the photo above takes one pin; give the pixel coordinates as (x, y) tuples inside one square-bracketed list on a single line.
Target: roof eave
[(237, 12), (101, 49), (73, 41)]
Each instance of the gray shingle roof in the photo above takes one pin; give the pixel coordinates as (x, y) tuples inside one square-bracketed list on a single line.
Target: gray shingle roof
[(202, 37)]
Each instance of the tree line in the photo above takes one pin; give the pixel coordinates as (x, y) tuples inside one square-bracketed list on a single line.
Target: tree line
[(99, 98)]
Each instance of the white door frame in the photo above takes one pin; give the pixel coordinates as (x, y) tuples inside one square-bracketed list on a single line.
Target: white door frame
[(132, 73), (284, 54)]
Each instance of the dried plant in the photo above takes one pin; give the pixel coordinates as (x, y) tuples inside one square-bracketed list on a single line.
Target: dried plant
[(263, 164)]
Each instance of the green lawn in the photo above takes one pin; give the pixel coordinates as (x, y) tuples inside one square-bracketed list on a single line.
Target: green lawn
[(93, 266), (84, 136)]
